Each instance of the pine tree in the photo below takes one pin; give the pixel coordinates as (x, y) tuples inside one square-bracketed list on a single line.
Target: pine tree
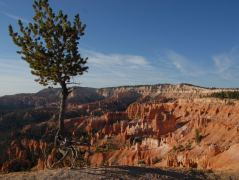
[(49, 45)]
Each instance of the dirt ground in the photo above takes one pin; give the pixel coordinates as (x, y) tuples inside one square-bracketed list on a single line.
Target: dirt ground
[(120, 173)]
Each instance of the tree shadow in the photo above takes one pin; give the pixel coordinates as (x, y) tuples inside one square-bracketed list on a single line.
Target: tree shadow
[(133, 172)]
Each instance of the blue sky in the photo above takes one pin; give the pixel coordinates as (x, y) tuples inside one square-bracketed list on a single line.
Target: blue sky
[(137, 42)]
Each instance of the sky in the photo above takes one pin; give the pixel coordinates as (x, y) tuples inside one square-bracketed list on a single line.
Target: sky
[(131, 42)]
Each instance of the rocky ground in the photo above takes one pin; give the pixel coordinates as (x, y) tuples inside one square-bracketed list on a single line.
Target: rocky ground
[(119, 173)]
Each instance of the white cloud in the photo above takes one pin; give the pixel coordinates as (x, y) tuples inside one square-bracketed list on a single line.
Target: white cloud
[(115, 59), (12, 65), (222, 62), (115, 68), (171, 67), (15, 77), (107, 69), (183, 64), (14, 17), (118, 69), (227, 64), (104, 70)]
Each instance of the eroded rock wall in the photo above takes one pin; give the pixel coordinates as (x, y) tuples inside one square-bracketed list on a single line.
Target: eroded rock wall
[(199, 133)]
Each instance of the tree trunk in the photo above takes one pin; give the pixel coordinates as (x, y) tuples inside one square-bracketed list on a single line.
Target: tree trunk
[(62, 108)]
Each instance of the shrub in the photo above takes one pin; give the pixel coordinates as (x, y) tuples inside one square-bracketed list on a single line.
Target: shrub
[(226, 95), (156, 160), (141, 162), (179, 148), (189, 146), (198, 136), (106, 147)]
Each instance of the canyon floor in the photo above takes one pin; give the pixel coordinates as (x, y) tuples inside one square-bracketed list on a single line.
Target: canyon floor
[(121, 172)]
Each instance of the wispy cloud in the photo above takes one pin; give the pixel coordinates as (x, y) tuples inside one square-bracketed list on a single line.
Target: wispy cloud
[(115, 59), (10, 66), (105, 70), (223, 62), (14, 17), (108, 69), (227, 64), (220, 67), (15, 77), (183, 64)]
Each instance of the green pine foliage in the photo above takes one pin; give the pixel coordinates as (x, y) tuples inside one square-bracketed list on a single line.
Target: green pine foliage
[(226, 95), (50, 45)]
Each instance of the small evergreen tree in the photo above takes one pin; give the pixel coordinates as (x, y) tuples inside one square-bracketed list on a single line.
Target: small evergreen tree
[(49, 45)]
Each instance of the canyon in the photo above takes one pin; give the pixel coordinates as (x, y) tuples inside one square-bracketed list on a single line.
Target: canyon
[(163, 125)]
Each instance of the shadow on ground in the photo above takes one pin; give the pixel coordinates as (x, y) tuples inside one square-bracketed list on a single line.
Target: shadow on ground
[(129, 172), (119, 173)]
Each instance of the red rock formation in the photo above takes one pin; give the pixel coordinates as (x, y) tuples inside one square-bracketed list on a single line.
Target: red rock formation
[(154, 134), (22, 151), (111, 117), (157, 116), (97, 160)]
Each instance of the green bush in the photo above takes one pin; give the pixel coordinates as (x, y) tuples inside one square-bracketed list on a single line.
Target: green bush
[(198, 136), (141, 161), (156, 160), (225, 95), (106, 147), (188, 146)]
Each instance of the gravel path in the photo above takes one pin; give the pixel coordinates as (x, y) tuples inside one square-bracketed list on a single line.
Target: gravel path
[(121, 173)]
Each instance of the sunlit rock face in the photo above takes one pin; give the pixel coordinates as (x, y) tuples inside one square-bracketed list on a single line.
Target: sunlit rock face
[(164, 134), (154, 115), (160, 125)]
